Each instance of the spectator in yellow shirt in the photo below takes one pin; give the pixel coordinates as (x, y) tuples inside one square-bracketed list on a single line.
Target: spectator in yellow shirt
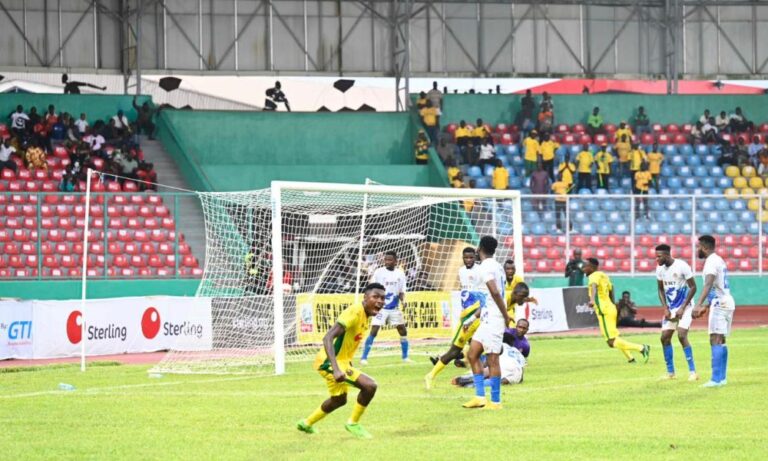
[(463, 135), (655, 159), (480, 133), (642, 180), (531, 155), (451, 169), (603, 158), (469, 204), (458, 181), (422, 101), (547, 150), (585, 159), (623, 149), (430, 116), (561, 190), (623, 130), (421, 148), (636, 159), (565, 170), (500, 177)]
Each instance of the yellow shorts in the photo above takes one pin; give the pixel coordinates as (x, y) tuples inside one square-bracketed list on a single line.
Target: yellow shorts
[(336, 388), (461, 337), (606, 318)]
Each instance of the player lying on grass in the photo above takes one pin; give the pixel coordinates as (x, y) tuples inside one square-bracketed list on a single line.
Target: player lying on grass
[(334, 363), (512, 360)]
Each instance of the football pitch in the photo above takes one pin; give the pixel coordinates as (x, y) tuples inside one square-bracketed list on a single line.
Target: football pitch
[(579, 400)]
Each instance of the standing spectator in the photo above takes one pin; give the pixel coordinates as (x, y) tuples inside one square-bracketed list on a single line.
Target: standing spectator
[(82, 125), (487, 153), (531, 152), (595, 123), (144, 120), (561, 202), (603, 159), (67, 183), (546, 119), (34, 118), (421, 148), (546, 99), (585, 159), (19, 122), (636, 159), (655, 160), (462, 135), (738, 123), (574, 270), (526, 116), (446, 150), (742, 152), (710, 131), (623, 149), (451, 169), (566, 170), (6, 149), (642, 123), (642, 180), (755, 149), (500, 176), (540, 186), (430, 117), (705, 117), (479, 133), (547, 149), (421, 101), (627, 312), (128, 166), (624, 130), (121, 124), (722, 122), (435, 96), (50, 116), (74, 87)]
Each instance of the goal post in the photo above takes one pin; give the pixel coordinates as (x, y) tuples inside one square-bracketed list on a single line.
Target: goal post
[(281, 263)]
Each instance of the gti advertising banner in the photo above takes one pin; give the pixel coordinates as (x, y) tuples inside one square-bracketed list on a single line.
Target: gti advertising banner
[(15, 330), (121, 325)]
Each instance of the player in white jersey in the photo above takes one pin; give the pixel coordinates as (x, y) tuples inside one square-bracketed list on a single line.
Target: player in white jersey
[(469, 278), (494, 319), (676, 288), (393, 279), (716, 297)]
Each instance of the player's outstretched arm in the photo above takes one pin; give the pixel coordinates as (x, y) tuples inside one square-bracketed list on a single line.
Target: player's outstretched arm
[(702, 306), (328, 340)]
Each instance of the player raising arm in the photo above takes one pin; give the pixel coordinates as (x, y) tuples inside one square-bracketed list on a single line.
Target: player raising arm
[(334, 363)]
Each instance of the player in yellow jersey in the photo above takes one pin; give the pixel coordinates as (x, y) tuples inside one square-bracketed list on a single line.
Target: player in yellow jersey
[(600, 291), (334, 363), (512, 280)]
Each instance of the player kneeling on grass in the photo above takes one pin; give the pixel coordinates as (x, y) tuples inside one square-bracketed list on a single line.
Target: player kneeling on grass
[(334, 363), (512, 359)]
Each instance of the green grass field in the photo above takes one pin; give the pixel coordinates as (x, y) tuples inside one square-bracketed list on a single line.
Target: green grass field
[(580, 400)]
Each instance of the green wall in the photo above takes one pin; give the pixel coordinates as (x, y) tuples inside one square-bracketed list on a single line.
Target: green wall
[(71, 289), (571, 109), (95, 106), (225, 151), (747, 290)]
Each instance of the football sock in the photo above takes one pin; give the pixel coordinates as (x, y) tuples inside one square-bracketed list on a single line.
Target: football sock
[(316, 416), (724, 363), (688, 351), (357, 412), (495, 389), (439, 366), (368, 344), (404, 346), (669, 354), (479, 385), (626, 345), (717, 360)]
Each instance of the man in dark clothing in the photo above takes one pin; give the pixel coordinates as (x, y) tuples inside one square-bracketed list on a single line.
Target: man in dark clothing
[(574, 270), (144, 120), (627, 312), (540, 186)]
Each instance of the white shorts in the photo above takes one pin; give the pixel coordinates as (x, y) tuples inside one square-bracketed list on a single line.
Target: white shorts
[(721, 315), (388, 317), (490, 334), (684, 323)]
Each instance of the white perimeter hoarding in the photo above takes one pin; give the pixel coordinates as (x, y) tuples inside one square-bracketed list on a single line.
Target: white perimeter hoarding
[(16, 330)]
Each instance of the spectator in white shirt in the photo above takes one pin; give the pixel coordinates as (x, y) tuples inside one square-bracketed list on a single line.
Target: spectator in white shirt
[(121, 124), (95, 141), (709, 130), (487, 153), (435, 96), (6, 149), (19, 122), (82, 125), (704, 118), (755, 149), (722, 121)]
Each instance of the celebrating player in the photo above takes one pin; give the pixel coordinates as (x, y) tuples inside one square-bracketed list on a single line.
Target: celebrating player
[(600, 291), (512, 359), (716, 297), (512, 280), (489, 335), (393, 279), (676, 288), (469, 276), (334, 363)]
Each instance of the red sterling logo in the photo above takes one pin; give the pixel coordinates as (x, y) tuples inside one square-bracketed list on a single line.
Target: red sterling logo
[(74, 327), (150, 323)]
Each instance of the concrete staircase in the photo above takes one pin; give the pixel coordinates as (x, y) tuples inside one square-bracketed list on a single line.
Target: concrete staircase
[(190, 214)]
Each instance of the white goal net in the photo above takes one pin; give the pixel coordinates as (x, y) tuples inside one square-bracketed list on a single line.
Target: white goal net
[(282, 263)]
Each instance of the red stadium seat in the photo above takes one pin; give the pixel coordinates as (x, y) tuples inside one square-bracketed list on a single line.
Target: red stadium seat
[(126, 272), (62, 248), (61, 152), (647, 138), (620, 253), (114, 248), (542, 266), (15, 261), (680, 138), (134, 223), (738, 252), (569, 139), (130, 186), (189, 261), (136, 199), (687, 128), (562, 128), (153, 199), (148, 248), (120, 261), (13, 223), (137, 261), (685, 252), (645, 266), (681, 240), (609, 265), (585, 139), (184, 249), (672, 128), (50, 261), (165, 248), (601, 139), (579, 128), (657, 128), (28, 248), (578, 241), (552, 253), (506, 139), (158, 235), (129, 211), (131, 248), (663, 138), (141, 235), (96, 248), (533, 253)]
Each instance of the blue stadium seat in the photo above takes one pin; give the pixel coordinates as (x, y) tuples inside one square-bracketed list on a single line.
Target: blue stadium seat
[(575, 149), (604, 228), (707, 182), (670, 149), (482, 183), (597, 217), (464, 168), (710, 160), (685, 204), (515, 182), (715, 149), (618, 191), (475, 172), (701, 215), (655, 228), (724, 182), (705, 204), (684, 170), (601, 191), (738, 205), (746, 216), (505, 228), (674, 182), (512, 172), (753, 228), (518, 161), (488, 170), (657, 205), (715, 171), (585, 191), (680, 191), (730, 216), (681, 216), (624, 204), (698, 191), (580, 216), (667, 171), (712, 216), (700, 171), (671, 228), (626, 183), (704, 228), (690, 182), (663, 218), (526, 228), (640, 228), (587, 228), (684, 228), (685, 149), (513, 150), (692, 160), (677, 160), (539, 228), (702, 149), (548, 217), (721, 228), (592, 205), (575, 205), (665, 191), (716, 191), (621, 228), (526, 205), (616, 217), (504, 160), (607, 205)]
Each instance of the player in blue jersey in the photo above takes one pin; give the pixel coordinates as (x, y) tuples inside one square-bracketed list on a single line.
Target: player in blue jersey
[(393, 279), (676, 287), (715, 298)]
